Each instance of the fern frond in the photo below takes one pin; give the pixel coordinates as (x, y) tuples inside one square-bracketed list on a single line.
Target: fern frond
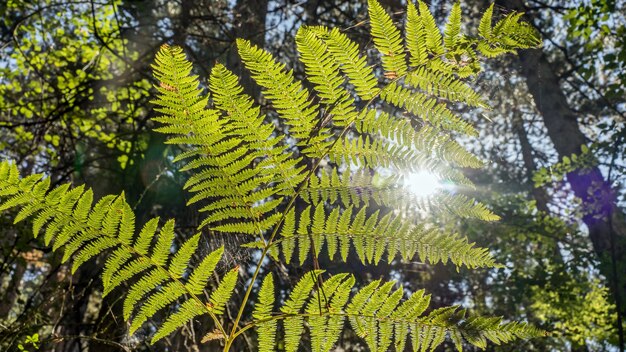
[(324, 73), (346, 53), (266, 329), (180, 261), (220, 296), (430, 142), (290, 99), (161, 252), (452, 31), (444, 86), (83, 232), (166, 296), (484, 27), (187, 311), (387, 40), (434, 41), (360, 188), (249, 181), (250, 124), (294, 324), (381, 315), (223, 147), (372, 236), (415, 37), (200, 275), (326, 329), (426, 108)]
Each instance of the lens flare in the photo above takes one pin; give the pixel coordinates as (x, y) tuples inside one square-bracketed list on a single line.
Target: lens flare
[(422, 183)]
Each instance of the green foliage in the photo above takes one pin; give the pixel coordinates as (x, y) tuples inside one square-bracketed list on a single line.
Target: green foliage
[(338, 142), (29, 340), (83, 231), (74, 51), (383, 318), (575, 163)]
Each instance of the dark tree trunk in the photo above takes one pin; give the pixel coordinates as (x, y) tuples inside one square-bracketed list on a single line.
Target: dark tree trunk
[(539, 194), (249, 23)]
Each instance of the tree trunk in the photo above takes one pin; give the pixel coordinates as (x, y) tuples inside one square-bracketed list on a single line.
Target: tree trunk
[(605, 221), (249, 19), (539, 193)]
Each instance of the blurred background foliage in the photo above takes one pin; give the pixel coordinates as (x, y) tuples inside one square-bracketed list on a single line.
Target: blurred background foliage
[(75, 91)]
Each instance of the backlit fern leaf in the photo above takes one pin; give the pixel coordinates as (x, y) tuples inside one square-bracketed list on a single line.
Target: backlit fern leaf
[(290, 99), (431, 30), (426, 108), (324, 73), (346, 53), (383, 317), (224, 149), (415, 37), (388, 40), (84, 231), (266, 329), (274, 161), (294, 324), (453, 27), (373, 236)]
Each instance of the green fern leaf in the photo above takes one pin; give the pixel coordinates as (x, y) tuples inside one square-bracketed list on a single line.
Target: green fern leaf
[(180, 261), (387, 40), (290, 99), (147, 283), (433, 35), (167, 295), (161, 250), (453, 27), (484, 28), (294, 324), (266, 329), (143, 241), (200, 275), (187, 312), (346, 53), (221, 295)]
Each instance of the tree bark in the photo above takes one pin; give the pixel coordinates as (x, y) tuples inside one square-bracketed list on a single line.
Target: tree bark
[(249, 19), (604, 220), (539, 193)]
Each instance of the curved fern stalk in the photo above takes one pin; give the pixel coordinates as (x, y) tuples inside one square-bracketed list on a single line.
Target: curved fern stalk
[(84, 231), (383, 317)]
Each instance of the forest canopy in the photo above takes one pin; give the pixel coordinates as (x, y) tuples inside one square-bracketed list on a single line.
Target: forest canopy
[(272, 175)]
